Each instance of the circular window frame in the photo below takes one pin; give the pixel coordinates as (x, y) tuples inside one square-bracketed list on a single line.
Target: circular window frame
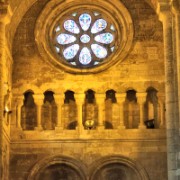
[(55, 10), (79, 12)]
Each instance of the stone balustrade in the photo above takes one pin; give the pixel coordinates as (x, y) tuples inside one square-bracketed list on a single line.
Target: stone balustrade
[(120, 112)]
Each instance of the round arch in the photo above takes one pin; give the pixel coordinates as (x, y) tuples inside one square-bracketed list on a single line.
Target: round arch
[(117, 164), (24, 6), (68, 165)]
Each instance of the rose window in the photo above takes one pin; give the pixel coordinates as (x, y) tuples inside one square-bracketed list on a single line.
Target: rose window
[(84, 40)]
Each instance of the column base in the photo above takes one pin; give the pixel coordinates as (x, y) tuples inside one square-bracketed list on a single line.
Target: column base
[(80, 128), (121, 127), (20, 128), (59, 128), (101, 127), (142, 127), (162, 126), (38, 128)]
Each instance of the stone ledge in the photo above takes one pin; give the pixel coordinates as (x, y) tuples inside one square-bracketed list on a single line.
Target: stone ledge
[(123, 134)]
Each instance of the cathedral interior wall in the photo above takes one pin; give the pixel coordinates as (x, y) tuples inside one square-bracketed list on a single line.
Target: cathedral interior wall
[(141, 69)]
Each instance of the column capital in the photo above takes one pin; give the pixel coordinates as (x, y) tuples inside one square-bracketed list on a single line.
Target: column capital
[(5, 13), (100, 95), (141, 96), (100, 98), (19, 100), (161, 96), (38, 99), (79, 98), (121, 97), (175, 7), (163, 5), (164, 12), (59, 98)]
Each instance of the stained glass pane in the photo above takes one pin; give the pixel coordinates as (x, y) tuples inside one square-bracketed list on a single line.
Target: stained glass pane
[(112, 49), (65, 39), (112, 28), (99, 51), (74, 14), (73, 63), (96, 13), (85, 56), (57, 49), (85, 38), (57, 29), (71, 26), (78, 34), (71, 51), (105, 38), (98, 26), (96, 63), (85, 21)]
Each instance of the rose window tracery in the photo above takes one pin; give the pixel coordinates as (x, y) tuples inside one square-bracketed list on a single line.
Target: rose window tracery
[(84, 39)]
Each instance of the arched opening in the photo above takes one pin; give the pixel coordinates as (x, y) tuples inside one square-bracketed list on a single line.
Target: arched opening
[(28, 112), (58, 167), (49, 112), (70, 111), (151, 108), (90, 110), (117, 168), (131, 112), (58, 171), (111, 107)]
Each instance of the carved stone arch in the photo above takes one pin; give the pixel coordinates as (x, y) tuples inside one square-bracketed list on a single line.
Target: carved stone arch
[(117, 164), (64, 163), (22, 89)]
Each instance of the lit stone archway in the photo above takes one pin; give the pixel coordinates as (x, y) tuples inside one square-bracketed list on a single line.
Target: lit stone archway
[(117, 167), (58, 167)]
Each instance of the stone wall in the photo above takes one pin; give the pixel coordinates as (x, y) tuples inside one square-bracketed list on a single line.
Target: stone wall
[(139, 70), (142, 68), (151, 155)]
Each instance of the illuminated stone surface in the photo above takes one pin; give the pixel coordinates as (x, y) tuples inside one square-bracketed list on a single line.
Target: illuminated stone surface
[(44, 136)]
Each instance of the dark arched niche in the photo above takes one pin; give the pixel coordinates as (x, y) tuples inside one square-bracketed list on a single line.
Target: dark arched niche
[(58, 167), (117, 168)]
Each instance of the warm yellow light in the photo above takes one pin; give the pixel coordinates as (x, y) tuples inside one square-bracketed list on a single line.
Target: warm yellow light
[(89, 123)]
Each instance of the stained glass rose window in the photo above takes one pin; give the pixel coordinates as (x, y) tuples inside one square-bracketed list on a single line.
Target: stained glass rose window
[(84, 39)]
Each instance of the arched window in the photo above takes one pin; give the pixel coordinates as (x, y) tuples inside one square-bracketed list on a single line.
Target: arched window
[(151, 108), (28, 117), (111, 108), (49, 111), (90, 110), (70, 111), (131, 113), (84, 37)]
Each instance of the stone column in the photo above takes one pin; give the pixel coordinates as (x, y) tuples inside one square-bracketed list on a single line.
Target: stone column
[(4, 19), (121, 99), (141, 97), (2, 62), (59, 99), (176, 40), (100, 100), (38, 99), (19, 104), (79, 98), (161, 110), (170, 92)]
